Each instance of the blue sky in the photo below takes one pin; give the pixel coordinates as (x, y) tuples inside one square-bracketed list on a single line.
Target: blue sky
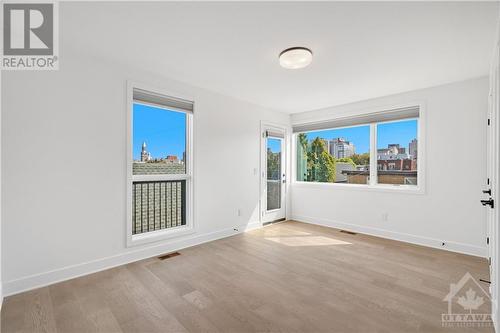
[(274, 144), (401, 132), (164, 131)]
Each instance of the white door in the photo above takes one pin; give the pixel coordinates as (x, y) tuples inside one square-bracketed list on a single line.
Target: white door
[(490, 197), (273, 175)]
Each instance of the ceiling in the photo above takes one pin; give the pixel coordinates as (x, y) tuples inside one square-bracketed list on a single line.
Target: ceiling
[(361, 50)]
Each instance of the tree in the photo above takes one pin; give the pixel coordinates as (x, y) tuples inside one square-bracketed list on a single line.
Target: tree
[(303, 140), (320, 164), (273, 165), (326, 168), (346, 160), (361, 159)]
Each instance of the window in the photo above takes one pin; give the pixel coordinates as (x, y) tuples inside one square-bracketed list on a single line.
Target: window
[(334, 156), (372, 149), (397, 152), (160, 166)]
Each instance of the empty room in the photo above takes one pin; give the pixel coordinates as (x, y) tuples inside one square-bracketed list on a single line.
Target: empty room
[(249, 166)]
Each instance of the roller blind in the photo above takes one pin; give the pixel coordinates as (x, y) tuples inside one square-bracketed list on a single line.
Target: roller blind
[(390, 115), (275, 134), (143, 96)]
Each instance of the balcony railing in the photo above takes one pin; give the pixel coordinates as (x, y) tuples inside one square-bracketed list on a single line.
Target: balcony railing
[(158, 205)]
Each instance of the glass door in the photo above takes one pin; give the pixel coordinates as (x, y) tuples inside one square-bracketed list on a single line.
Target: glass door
[(275, 178)]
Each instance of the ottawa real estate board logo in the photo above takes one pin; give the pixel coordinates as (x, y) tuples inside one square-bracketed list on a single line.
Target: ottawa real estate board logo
[(469, 305), (30, 36)]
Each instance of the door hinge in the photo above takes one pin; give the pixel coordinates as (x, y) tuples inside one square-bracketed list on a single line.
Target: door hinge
[(489, 261), (488, 181), (487, 240), (488, 122)]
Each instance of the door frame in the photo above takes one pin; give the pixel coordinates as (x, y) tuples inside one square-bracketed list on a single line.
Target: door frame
[(493, 180), (265, 126)]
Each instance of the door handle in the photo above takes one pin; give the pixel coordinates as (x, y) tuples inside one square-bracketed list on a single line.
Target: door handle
[(487, 191), (489, 202)]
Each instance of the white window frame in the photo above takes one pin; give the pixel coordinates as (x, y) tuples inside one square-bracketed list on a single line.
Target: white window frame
[(158, 235), (373, 183)]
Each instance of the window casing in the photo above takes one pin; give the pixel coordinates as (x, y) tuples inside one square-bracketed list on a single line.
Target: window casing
[(160, 181), (399, 169)]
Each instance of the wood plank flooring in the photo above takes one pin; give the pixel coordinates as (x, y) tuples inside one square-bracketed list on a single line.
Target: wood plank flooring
[(286, 277)]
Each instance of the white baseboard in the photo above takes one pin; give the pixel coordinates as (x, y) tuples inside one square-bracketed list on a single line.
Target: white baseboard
[(66, 273), (251, 226), (408, 238), (494, 314)]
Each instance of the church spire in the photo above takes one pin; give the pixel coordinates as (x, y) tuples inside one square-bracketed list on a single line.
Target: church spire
[(145, 156)]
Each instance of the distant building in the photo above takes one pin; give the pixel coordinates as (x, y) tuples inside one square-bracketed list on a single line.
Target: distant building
[(395, 157), (384, 177), (398, 164), (413, 149), (392, 152), (172, 159), (145, 155), (340, 167), (340, 148)]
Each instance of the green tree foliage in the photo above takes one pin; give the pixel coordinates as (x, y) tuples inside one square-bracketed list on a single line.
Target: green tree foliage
[(320, 164), (303, 140), (345, 160), (273, 165), (326, 168), (361, 159)]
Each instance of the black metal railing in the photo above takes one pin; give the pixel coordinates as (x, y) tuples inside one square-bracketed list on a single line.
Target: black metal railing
[(158, 205)]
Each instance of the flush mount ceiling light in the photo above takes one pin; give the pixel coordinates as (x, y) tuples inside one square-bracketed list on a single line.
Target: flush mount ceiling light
[(295, 57)]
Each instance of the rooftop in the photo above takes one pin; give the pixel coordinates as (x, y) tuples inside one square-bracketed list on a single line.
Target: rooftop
[(141, 168)]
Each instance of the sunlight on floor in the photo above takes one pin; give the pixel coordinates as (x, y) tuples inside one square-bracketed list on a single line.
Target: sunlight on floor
[(307, 241)]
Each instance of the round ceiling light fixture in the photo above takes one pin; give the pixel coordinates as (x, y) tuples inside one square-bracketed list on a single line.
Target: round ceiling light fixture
[(295, 57)]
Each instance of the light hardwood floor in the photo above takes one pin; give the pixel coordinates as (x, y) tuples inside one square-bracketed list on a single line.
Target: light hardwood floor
[(287, 277)]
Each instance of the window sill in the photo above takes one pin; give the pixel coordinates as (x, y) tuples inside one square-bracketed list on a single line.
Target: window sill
[(406, 189), (155, 236)]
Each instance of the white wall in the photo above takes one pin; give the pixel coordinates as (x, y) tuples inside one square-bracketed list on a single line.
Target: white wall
[(64, 169), (449, 211)]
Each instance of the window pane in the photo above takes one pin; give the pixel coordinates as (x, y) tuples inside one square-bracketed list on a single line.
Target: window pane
[(397, 148), (273, 173), (334, 156), (159, 141)]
